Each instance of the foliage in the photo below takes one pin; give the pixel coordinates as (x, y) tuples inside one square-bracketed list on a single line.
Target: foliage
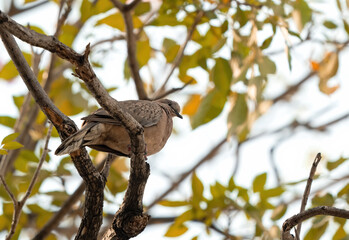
[(228, 57)]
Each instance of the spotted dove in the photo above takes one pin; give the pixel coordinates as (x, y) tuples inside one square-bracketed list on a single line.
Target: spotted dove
[(102, 132)]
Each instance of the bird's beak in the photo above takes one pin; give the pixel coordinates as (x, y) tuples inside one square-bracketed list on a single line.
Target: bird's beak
[(177, 114)]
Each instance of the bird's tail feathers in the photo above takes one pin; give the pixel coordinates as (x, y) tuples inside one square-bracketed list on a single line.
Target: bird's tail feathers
[(72, 143)]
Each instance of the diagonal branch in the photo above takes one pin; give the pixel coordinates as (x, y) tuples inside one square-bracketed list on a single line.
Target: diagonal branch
[(180, 53), (18, 205), (186, 174)]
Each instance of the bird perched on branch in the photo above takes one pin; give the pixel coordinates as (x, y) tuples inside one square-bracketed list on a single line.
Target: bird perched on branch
[(102, 132)]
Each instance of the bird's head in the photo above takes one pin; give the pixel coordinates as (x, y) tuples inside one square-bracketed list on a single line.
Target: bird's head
[(174, 107)]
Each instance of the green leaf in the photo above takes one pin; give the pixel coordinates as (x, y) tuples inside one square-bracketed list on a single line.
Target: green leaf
[(114, 20), (142, 7), (231, 184), (221, 75), (340, 234), (316, 233), (9, 71), (272, 192), (330, 24), (168, 203), (176, 230), (127, 71), (3, 152), (343, 191), (90, 8), (346, 26), (198, 190), (332, 165), (266, 43), (259, 182), (9, 138), (68, 34), (217, 190), (326, 200), (210, 107), (238, 114), (12, 145), (18, 100), (266, 66), (279, 212), (170, 49), (7, 121), (143, 52), (292, 33), (37, 29)]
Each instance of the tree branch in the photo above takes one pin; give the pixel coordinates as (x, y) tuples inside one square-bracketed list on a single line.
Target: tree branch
[(180, 53), (307, 190), (18, 205), (300, 217), (94, 181), (293, 89), (65, 126), (14, 10), (131, 45), (73, 198), (175, 184)]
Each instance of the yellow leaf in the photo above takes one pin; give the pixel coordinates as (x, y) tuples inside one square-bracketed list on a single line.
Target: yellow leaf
[(192, 105), (176, 230)]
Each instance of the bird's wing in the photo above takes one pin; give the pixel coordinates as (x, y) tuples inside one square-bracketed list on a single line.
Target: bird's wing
[(147, 113)]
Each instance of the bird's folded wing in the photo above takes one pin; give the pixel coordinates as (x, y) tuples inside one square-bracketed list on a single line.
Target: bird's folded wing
[(145, 112)]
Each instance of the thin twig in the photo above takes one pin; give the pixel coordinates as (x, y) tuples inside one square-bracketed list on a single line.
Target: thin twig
[(61, 20), (175, 184), (237, 159), (42, 159), (173, 90), (180, 53), (14, 10), (18, 206), (13, 198), (307, 190), (293, 89)]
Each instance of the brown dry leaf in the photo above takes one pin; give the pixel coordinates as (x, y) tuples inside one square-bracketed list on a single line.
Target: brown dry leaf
[(328, 68)]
